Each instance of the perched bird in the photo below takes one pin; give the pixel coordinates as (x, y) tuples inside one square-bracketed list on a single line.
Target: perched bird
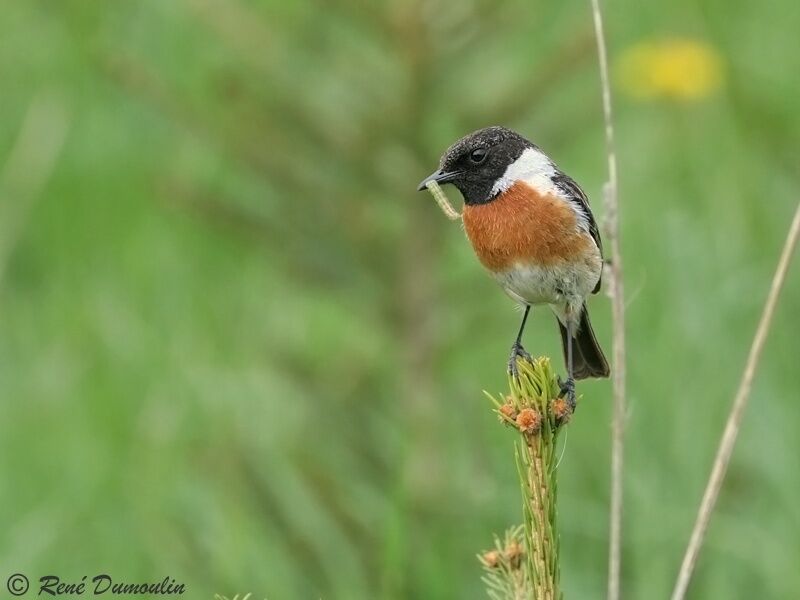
[(532, 228)]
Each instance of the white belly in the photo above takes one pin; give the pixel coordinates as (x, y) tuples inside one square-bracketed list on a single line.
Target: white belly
[(558, 284)]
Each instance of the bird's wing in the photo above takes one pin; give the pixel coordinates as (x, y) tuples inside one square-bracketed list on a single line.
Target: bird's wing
[(573, 193)]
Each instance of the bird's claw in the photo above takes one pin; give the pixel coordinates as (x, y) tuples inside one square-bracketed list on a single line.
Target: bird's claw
[(517, 351), (567, 391)]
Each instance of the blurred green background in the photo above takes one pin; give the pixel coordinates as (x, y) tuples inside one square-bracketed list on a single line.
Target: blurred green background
[(239, 349)]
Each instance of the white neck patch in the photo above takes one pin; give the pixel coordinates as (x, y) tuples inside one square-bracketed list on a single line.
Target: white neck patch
[(533, 167)]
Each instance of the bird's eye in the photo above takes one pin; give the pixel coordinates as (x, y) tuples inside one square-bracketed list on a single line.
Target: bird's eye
[(477, 156)]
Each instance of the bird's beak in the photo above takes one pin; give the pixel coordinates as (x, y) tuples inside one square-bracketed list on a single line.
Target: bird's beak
[(439, 177)]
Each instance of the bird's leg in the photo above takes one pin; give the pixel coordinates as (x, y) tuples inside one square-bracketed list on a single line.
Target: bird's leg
[(516, 349), (568, 387)]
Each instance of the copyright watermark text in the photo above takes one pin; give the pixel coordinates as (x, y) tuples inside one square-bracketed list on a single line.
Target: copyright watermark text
[(103, 584)]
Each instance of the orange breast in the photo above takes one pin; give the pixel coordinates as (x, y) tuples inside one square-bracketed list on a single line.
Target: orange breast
[(522, 225)]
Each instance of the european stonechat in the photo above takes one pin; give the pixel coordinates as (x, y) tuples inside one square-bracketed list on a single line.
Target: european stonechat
[(531, 227)]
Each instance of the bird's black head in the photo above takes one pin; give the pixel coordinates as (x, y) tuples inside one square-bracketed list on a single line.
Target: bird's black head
[(475, 162)]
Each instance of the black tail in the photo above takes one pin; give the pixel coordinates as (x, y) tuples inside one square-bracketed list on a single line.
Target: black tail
[(587, 357)]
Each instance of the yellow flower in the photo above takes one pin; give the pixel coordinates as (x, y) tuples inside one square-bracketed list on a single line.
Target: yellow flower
[(673, 68)]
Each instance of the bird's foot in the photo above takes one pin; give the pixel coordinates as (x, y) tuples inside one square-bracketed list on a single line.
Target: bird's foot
[(564, 406), (567, 392), (517, 351)]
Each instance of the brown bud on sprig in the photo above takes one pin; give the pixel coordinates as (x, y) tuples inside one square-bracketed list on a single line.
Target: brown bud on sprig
[(529, 421), (491, 559), (561, 410), (513, 554), (508, 412)]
